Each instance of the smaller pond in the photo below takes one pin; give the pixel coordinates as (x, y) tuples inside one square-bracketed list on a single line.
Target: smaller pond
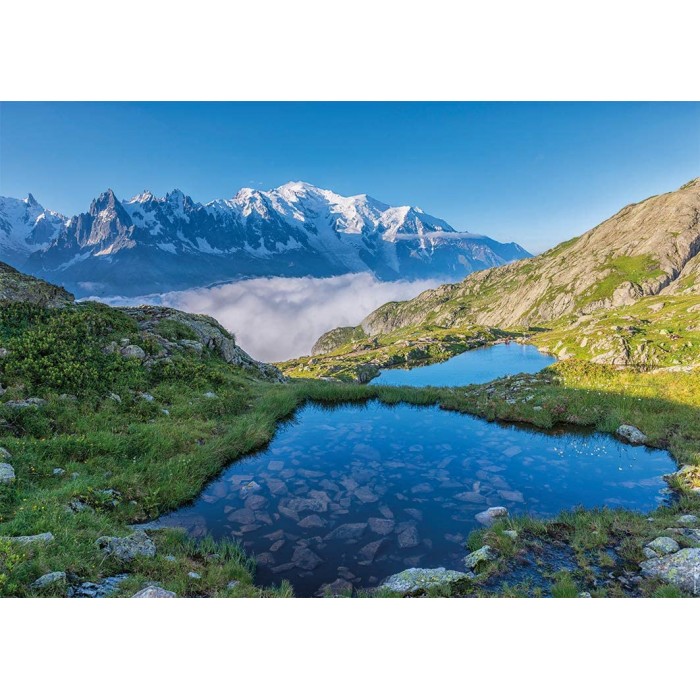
[(360, 492), (471, 367)]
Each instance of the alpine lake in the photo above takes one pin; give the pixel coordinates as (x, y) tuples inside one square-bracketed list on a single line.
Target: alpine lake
[(355, 493)]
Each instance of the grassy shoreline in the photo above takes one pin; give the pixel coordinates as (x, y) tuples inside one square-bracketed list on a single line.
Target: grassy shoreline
[(144, 440)]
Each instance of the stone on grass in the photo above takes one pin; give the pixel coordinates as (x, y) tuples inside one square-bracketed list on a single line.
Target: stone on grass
[(631, 434), (154, 592), (127, 548), (661, 546), (5, 454), (41, 538), (490, 515), (415, 580), (58, 471), (687, 519), (486, 553), (7, 474), (681, 569), (134, 351), (194, 575), (49, 580)]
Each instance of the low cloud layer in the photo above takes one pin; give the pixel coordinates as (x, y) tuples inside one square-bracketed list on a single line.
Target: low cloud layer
[(279, 318)]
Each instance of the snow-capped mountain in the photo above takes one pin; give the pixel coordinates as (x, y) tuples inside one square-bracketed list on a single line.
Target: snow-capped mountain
[(153, 244), (25, 227)]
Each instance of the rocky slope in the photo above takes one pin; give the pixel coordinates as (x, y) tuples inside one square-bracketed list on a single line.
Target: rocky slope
[(151, 244), (625, 293), (646, 249), (15, 286), (171, 331)]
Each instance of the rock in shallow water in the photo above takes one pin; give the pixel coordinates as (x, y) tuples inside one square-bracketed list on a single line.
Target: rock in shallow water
[(414, 580), (488, 516), (631, 434), (680, 569)]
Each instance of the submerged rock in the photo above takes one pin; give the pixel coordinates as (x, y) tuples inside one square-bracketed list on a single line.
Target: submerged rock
[(415, 580), (631, 434), (680, 569)]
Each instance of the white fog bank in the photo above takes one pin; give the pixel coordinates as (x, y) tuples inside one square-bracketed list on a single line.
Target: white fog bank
[(277, 318)]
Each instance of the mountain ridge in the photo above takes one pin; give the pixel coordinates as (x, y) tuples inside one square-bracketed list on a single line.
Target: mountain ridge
[(148, 244)]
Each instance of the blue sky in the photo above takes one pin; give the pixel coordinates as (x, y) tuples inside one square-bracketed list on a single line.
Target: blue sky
[(536, 173)]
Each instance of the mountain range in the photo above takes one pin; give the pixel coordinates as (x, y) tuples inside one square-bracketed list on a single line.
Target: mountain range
[(152, 244)]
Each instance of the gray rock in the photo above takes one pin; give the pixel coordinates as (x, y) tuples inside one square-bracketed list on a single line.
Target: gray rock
[(680, 569), (7, 474), (687, 519), (154, 592), (134, 351), (689, 533), (312, 521), (105, 587), (210, 395), (513, 534), (631, 434), (662, 545), (139, 544), (32, 402), (484, 554), (55, 577), (114, 397), (408, 537), (381, 526), (233, 584), (146, 396), (367, 554), (348, 531), (490, 515), (306, 559), (58, 471), (5, 454), (415, 580), (194, 575), (41, 538)]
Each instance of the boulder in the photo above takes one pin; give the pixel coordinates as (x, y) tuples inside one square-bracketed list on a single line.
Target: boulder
[(31, 402), (681, 569), (687, 519), (55, 577), (7, 474), (415, 580), (154, 592), (139, 544), (490, 515), (660, 546), (133, 351), (632, 435), (486, 553)]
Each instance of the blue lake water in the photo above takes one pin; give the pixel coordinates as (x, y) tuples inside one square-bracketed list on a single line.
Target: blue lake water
[(359, 492), (471, 367)]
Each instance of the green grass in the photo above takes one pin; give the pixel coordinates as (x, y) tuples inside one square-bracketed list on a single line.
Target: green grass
[(155, 461)]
